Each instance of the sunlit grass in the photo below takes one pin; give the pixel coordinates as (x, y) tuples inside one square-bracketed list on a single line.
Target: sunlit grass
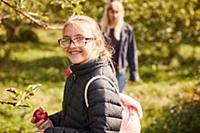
[(34, 54)]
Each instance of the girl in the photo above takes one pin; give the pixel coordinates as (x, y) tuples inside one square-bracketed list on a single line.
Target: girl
[(85, 47), (123, 41)]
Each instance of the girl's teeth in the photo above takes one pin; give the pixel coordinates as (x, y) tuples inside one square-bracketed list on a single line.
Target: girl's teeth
[(73, 53)]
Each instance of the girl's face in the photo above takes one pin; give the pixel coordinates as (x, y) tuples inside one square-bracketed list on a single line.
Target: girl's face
[(81, 45)]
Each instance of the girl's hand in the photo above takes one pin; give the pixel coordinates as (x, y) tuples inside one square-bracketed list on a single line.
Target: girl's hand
[(42, 124)]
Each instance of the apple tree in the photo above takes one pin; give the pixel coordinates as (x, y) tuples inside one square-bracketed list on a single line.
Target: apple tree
[(15, 14)]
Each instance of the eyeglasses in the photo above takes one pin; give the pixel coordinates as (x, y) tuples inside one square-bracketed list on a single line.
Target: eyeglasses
[(78, 41)]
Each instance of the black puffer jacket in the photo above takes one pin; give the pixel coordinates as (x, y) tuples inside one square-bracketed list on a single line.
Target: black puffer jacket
[(104, 113)]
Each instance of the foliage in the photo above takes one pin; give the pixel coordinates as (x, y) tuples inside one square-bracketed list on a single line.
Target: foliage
[(94, 9), (181, 116), (155, 60), (45, 10), (161, 21), (162, 25), (19, 96), (40, 12), (166, 21), (27, 34)]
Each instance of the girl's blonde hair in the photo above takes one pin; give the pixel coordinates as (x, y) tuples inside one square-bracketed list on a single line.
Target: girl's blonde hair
[(105, 48), (116, 5)]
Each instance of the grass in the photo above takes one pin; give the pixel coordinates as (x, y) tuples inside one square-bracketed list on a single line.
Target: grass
[(155, 96), (165, 80)]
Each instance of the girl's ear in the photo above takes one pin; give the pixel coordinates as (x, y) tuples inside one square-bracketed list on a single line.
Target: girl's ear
[(99, 44)]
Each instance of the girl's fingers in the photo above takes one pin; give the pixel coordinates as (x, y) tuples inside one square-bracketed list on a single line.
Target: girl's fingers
[(39, 123), (45, 124)]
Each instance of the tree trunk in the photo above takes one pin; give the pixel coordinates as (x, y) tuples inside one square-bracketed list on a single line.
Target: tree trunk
[(11, 27)]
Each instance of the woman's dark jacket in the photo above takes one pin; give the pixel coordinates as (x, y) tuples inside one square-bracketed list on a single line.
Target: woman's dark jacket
[(104, 113), (127, 56)]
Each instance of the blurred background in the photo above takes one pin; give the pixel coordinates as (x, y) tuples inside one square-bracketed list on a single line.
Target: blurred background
[(168, 39)]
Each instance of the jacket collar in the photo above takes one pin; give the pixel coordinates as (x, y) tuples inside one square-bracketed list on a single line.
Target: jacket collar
[(81, 69)]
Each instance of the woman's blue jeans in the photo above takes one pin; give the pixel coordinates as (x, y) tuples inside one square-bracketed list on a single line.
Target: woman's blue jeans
[(121, 78)]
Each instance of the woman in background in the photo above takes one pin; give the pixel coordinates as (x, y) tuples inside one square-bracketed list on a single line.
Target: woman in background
[(123, 41)]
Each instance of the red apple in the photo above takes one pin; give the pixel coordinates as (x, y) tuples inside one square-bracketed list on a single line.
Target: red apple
[(68, 72), (40, 114)]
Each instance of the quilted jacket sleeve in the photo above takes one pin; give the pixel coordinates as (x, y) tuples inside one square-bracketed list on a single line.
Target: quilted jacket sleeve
[(60, 130), (56, 118), (105, 111)]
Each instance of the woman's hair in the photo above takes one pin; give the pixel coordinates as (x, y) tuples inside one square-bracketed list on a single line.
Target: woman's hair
[(105, 48), (116, 5)]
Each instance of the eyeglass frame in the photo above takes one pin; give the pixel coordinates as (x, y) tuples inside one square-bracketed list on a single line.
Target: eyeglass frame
[(84, 39)]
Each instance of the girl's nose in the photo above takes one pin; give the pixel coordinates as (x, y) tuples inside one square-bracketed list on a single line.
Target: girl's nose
[(72, 44)]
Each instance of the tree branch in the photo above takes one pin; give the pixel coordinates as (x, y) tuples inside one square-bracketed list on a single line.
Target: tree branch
[(3, 17), (36, 21), (6, 102), (12, 103)]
